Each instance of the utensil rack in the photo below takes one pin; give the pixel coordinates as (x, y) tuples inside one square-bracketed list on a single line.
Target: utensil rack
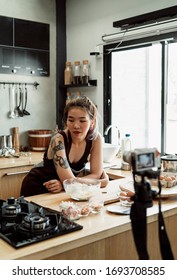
[(35, 84)]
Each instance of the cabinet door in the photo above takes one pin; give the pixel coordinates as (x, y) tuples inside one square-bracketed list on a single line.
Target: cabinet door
[(11, 180), (6, 31)]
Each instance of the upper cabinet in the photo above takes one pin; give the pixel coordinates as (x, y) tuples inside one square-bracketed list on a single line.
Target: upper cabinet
[(29, 34), (24, 47), (6, 31)]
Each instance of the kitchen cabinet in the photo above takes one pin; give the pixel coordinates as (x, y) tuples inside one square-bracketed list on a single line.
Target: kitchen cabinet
[(11, 180), (12, 172), (24, 47), (6, 31)]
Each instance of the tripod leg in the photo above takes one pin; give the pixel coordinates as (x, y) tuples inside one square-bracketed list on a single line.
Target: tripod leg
[(139, 228)]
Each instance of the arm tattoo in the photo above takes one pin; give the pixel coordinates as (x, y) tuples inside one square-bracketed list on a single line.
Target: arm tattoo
[(61, 162), (59, 147)]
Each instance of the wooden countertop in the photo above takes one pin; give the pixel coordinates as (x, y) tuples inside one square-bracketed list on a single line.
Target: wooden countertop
[(24, 160), (36, 157), (102, 226)]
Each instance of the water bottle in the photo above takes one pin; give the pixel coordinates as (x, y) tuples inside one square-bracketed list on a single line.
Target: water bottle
[(126, 143), (126, 146)]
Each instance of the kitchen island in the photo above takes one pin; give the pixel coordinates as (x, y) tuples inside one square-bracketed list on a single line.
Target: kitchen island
[(104, 236), (13, 170)]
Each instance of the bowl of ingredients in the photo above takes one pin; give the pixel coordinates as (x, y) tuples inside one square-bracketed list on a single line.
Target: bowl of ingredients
[(81, 188), (96, 205), (69, 210), (73, 211), (125, 199), (84, 210)]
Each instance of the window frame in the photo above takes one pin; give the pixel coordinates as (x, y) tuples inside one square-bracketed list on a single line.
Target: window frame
[(107, 89)]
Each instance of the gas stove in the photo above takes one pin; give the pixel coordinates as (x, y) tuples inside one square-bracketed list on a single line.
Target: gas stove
[(23, 223)]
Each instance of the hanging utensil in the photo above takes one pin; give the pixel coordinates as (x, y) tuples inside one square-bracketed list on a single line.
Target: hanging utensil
[(11, 113), (20, 112), (16, 102), (26, 97)]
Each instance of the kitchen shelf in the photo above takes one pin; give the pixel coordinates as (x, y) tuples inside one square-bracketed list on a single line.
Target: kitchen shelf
[(91, 83)]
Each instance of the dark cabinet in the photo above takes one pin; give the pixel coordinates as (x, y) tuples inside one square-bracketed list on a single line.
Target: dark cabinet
[(24, 47), (6, 31), (29, 34), (24, 62)]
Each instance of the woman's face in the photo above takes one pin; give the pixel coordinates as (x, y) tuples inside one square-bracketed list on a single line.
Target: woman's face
[(78, 123)]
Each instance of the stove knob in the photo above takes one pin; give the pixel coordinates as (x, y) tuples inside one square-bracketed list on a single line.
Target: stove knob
[(11, 200)]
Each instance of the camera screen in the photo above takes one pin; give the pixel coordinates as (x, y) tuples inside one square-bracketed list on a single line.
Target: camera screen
[(145, 161)]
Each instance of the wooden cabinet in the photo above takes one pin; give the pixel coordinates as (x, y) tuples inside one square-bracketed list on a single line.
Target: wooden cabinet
[(11, 179)]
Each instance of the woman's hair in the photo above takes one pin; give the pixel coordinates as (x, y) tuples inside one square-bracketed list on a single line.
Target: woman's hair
[(87, 105)]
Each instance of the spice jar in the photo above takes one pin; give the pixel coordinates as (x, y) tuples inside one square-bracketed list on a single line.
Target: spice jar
[(68, 73), (68, 97), (85, 72), (78, 94), (77, 72)]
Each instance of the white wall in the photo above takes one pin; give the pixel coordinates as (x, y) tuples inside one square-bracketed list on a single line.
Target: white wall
[(87, 21), (41, 102)]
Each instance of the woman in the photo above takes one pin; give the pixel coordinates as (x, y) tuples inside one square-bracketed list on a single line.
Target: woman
[(69, 151)]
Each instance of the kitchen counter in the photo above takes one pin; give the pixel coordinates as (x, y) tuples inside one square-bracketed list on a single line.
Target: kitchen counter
[(13, 170), (23, 160), (117, 174), (37, 157), (104, 235)]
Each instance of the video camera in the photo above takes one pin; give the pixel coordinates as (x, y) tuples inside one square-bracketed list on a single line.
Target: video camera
[(145, 164), (142, 159)]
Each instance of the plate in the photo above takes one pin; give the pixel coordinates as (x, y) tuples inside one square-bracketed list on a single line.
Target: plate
[(166, 192), (118, 209)]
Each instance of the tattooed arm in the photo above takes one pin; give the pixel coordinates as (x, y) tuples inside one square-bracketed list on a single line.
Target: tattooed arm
[(57, 152)]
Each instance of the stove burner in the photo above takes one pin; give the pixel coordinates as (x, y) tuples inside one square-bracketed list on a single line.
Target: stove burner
[(34, 224), (35, 221), (23, 223), (11, 208)]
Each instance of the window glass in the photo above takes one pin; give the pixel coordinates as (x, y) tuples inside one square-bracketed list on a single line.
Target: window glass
[(136, 94), (171, 116)]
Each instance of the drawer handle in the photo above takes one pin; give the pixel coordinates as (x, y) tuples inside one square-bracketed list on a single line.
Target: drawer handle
[(16, 173)]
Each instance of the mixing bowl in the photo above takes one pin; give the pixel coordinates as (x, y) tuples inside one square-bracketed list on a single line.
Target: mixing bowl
[(81, 188)]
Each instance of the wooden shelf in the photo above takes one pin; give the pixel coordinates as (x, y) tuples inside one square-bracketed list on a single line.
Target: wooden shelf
[(91, 83)]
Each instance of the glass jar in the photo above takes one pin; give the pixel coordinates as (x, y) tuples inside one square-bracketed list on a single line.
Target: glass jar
[(78, 94), (85, 72), (77, 73), (68, 97), (3, 142), (68, 73)]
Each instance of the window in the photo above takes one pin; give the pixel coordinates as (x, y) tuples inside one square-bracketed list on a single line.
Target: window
[(141, 93), (171, 110)]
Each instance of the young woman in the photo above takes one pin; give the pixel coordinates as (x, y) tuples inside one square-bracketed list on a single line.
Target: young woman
[(69, 151)]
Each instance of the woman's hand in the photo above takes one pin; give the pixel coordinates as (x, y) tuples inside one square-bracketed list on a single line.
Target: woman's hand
[(104, 179), (54, 186)]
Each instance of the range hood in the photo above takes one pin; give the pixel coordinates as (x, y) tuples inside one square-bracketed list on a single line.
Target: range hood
[(157, 23), (148, 18)]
